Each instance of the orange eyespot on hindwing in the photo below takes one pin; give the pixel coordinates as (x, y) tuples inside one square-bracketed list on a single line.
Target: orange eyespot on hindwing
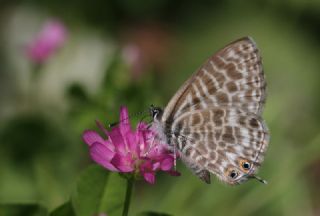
[(245, 165)]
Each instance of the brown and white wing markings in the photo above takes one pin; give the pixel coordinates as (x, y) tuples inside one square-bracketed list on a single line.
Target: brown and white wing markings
[(218, 139), (231, 77), (214, 119)]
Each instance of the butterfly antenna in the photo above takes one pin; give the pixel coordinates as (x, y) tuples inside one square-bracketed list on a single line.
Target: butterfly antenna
[(260, 179), (130, 116), (113, 124)]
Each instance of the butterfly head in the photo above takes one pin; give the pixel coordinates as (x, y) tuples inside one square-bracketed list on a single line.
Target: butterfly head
[(156, 112)]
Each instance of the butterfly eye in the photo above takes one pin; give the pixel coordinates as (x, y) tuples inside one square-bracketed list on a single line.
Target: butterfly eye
[(154, 111), (233, 174)]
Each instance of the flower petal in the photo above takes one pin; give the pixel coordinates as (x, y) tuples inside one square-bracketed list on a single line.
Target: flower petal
[(102, 155), (142, 126), (90, 137), (101, 127), (133, 143), (146, 166), (149, 177), (124, 115), (144, 142), (124, 121), (117, 140), (123, 163), (167, 164), (156, 166)]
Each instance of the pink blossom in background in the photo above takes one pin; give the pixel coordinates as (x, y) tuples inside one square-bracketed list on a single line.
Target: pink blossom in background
[(133, 57), (129, 151), (146, 47), (52, 36)]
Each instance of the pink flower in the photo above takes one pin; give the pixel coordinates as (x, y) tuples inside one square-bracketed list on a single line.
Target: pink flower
[(49, 39), (132, 56), (129, 151), (146, 47)]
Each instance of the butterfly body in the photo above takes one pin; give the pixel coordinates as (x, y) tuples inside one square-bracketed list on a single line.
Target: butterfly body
[(214, 120)]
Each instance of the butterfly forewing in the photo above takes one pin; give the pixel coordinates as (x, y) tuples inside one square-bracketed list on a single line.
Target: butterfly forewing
[(232, 77), (214, 119)]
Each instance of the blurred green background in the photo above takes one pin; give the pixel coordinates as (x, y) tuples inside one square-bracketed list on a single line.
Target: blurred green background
[(137, 53)]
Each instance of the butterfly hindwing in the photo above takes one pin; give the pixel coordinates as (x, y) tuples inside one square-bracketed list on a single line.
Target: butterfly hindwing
[(220, 139)]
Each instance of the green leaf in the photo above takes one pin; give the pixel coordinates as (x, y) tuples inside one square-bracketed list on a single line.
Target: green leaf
[(151, 213), (65, 209), (22, 210), (99, 191)]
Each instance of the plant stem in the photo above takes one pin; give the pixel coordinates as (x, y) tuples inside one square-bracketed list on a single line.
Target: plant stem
[(130, 182), (36, 69)]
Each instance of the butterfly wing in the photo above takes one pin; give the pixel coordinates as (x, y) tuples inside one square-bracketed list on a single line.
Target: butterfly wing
[(232, 80), (231, 77), (220, 140)]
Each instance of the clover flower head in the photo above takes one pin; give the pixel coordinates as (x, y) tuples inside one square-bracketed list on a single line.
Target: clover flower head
[(130, 151)]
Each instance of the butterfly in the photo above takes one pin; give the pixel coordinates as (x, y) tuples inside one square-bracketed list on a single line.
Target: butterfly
[(214, 120)]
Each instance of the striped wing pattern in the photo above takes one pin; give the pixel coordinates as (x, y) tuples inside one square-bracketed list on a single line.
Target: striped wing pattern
[(214, 119), (217, 140)]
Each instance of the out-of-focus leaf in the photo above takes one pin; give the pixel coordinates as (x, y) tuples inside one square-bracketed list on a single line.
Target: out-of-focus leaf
[(65, 209), (22, 210), (99, 191), (151, 213), (27, 136), (77, 94)]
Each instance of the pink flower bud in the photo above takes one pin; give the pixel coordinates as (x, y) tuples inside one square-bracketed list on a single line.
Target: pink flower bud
[(47, 41)]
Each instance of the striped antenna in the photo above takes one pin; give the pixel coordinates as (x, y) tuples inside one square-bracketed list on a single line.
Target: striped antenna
[(130, 116)]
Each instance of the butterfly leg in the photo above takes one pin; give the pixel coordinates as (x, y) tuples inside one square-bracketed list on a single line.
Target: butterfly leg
[(149, 124), (204, 175), (175, 157)]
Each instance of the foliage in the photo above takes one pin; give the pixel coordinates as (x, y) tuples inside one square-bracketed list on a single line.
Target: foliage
[(99, 191)]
